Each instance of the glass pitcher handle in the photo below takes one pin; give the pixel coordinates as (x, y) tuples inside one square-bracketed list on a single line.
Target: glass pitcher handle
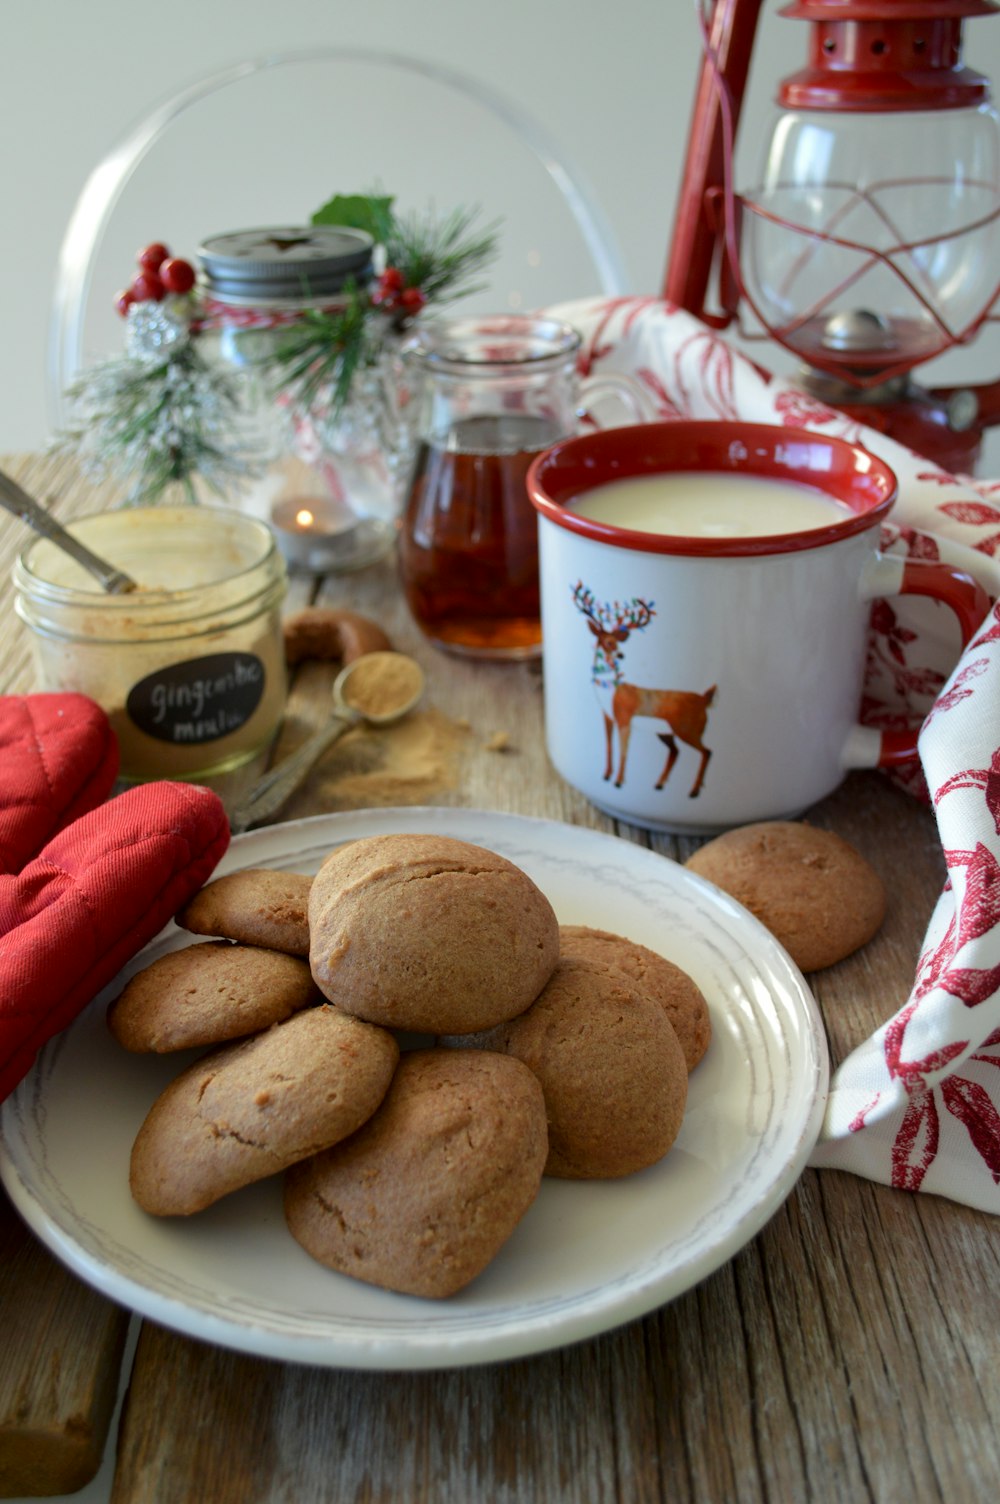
[(633, 397)]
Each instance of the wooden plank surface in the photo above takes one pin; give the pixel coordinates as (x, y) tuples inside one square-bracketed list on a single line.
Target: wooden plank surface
[(849, 1352), (797, 1372), (62, 1345)]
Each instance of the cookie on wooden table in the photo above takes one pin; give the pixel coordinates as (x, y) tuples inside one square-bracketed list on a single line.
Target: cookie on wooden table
[(611, 1069), (672, 988), (256, 907), (429, 934), (251, 1109), (423, 1197), (208, 994), (816, 894)]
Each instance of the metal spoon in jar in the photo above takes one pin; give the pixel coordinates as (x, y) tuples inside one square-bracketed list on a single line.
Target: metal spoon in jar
[(377, 688), (14, 499)]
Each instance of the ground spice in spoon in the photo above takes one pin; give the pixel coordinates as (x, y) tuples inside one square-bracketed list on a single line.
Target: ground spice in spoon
[(381, 684)]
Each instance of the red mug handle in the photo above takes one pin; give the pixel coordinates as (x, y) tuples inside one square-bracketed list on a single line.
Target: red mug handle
[(970, 603)]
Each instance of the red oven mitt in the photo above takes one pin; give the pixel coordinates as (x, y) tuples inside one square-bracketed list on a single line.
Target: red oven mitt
[(96, 893), (58, 759)]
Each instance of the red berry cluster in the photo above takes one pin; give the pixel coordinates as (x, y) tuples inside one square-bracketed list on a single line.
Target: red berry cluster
[(392, 294), (159, 273)]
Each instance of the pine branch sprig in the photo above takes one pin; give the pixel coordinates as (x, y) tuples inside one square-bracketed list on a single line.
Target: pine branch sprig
[(321, 354), (157, 422), (441, 257), (426, 260)]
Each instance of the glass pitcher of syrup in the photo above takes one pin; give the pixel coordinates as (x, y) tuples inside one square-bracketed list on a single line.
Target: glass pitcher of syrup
[(489, 394)]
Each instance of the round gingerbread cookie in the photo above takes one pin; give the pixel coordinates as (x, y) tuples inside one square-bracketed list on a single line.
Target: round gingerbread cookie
[(667, 984), (816, 894), (429, 934), (423, 1197), (208, 994), (256, 907), (251, 1109), (611, 1069)]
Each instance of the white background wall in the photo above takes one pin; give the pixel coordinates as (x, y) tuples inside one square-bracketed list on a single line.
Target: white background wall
[(611, 80)]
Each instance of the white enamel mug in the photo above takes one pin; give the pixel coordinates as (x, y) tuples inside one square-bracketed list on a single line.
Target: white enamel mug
[(696, 682)]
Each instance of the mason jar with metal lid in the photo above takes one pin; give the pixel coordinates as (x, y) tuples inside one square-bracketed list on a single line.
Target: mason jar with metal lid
[(328, 487), (190, 666)]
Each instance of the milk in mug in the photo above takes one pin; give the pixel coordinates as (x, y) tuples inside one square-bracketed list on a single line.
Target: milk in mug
[(710, 504)]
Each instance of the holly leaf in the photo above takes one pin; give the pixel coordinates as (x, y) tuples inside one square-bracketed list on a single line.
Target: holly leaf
[(359, 211)]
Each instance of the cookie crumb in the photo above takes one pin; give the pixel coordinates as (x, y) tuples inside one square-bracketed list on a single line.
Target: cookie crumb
[(498, 742)]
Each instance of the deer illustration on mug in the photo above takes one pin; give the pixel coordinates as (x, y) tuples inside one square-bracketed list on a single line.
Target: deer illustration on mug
[(685, 713)]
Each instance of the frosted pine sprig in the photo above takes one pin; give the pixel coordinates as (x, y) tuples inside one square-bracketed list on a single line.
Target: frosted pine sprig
[(158, 416)]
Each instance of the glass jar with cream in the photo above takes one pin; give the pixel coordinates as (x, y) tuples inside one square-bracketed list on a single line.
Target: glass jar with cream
[(190, 666)]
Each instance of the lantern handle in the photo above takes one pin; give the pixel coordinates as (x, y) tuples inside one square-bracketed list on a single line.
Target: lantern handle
[(718, 101)]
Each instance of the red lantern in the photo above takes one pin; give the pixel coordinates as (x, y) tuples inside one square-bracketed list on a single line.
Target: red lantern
[(872, 242)]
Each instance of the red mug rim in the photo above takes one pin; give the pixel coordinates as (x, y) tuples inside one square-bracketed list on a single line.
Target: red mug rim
[(843, 471)]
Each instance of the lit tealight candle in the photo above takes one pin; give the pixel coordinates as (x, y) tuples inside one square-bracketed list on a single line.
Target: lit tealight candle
[(312, 531)]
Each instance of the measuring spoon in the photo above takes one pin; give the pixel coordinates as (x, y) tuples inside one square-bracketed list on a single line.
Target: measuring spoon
[(377, 688), (14, 499)]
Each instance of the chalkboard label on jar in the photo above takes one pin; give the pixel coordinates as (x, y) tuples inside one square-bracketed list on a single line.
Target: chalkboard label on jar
[(199, 700)]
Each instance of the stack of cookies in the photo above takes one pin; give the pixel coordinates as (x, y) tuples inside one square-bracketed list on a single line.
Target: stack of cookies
[(546, 1050)]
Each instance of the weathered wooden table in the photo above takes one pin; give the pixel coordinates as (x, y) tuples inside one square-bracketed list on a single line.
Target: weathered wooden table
[(849, 1352)]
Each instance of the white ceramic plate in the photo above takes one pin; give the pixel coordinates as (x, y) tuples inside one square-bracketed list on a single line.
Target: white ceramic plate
[(587, 1257)]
